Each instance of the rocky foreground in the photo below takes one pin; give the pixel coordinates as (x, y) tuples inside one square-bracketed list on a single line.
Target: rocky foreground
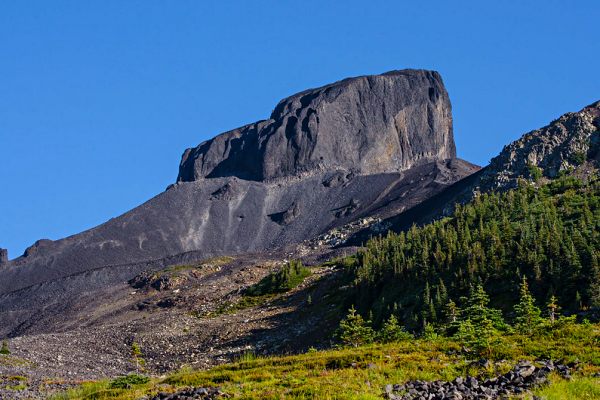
[(522, 378)]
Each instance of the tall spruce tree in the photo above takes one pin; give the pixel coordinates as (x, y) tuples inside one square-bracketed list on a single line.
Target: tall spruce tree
[(354, 330), (527, 314)]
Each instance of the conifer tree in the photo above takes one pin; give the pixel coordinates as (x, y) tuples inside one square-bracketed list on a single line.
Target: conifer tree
[(527, 314), (4, 349), (478, 324), (479, 313), (354, 330), (552, 309), (391, 331)]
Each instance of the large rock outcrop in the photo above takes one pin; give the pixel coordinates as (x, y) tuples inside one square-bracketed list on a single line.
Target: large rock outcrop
[(364, 125), (569, 144), (3, 256), (559, 147), (361, 147)]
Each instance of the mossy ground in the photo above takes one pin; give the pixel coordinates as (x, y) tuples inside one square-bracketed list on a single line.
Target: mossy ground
[(362, 372)]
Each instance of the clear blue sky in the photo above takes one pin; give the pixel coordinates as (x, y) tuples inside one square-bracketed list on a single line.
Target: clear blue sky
[(98, 99)]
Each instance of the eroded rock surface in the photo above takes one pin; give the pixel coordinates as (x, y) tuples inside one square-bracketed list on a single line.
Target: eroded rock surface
[(363, 147), (368, 125), (561, 146)]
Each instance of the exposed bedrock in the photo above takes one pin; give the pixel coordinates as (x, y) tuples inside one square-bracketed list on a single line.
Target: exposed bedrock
[(3, 256), (364, 146), (368, 124)]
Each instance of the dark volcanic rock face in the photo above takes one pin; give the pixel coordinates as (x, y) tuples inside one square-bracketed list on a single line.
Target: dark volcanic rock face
[(3, 256), (366, 146), (367, 125)]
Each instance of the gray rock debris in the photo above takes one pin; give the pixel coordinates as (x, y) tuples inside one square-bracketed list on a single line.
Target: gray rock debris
[(201, 393), (522, 378)]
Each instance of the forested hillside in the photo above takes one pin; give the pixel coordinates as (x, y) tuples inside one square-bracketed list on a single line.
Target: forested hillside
[(547, 234)]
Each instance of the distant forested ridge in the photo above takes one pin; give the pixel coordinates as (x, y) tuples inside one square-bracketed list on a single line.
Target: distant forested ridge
[(548, 234)]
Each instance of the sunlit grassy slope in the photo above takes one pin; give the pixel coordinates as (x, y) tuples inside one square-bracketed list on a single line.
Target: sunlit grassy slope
[(361, 373)]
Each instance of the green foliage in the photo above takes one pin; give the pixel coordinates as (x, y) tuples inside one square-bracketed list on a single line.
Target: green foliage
[(535, 172), (354, 330), (4, 349), (284, 280), (452, 316), (391, 331), (128, 381), (136, 350), (578, 157), (550, 235), (527, 314), (429, 333), (577, 389), (362, 372), (247, 356), (479, 325), (288, 277), (136, 354), (478, 311), (553, 309)]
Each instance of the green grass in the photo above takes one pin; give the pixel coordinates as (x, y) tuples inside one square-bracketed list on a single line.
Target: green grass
[(15, 383), (231, 307), (287, 278), (275, 283), (16, 388), (215, 261), (361, 373), (580, 388), (12, 361)]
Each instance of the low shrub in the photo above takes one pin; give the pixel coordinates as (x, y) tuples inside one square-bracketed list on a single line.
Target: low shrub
[(128, 381)]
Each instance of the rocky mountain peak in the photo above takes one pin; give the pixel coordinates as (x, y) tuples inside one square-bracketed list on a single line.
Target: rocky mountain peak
[(559, 147), (364, 125)]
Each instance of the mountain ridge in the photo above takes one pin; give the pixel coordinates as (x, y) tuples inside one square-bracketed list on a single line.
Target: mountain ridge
[(281, 182), (172, 275)]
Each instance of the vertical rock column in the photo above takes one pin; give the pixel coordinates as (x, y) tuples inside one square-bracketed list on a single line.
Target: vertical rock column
[(3, 256)]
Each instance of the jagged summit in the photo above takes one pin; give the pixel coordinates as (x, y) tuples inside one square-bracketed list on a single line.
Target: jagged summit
[(364, 125), (558, 147)]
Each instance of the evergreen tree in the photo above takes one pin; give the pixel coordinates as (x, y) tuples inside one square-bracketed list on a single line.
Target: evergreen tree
[(4, 350), (478, 324), (548, 233), (479, 313), (391, 331), (429, 332), (452, 315), (136, 355), (553, 309), (354, 330), (527, 314)]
